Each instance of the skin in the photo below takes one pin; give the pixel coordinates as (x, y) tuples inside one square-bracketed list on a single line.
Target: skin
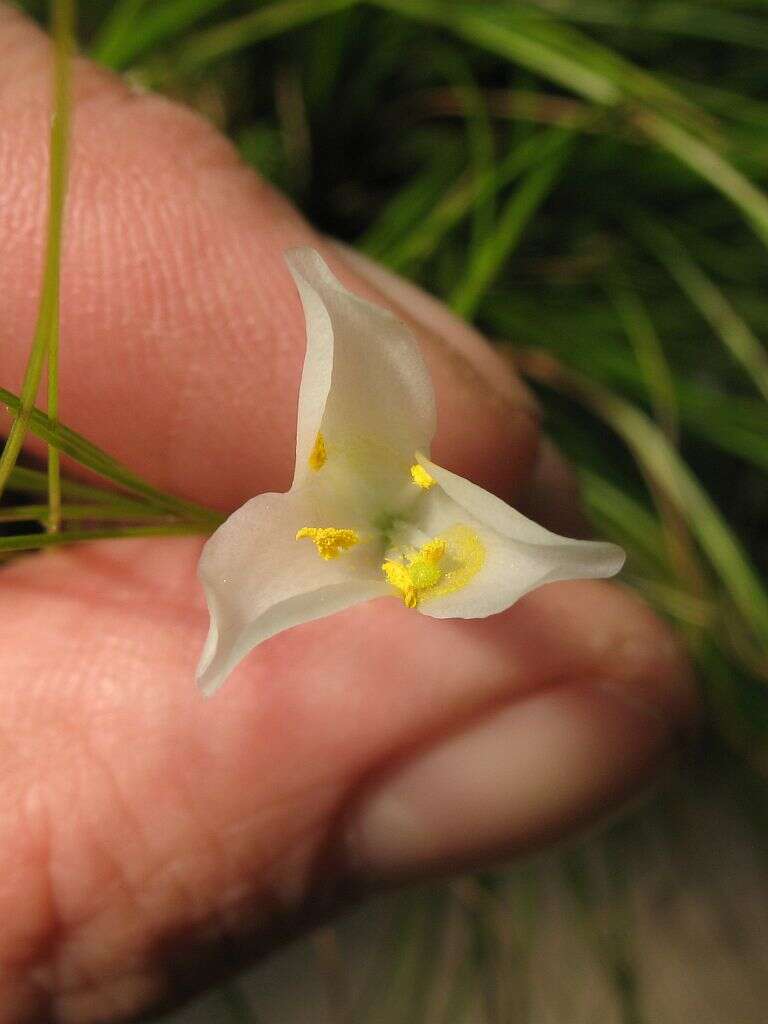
[(149, 838)]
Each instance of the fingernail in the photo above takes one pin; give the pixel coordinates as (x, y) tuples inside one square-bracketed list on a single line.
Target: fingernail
[(524, 775), (438, 320)]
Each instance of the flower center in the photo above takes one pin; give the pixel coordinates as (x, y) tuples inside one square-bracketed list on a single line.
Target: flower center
[(420, 572), (440, 567), (329, 541)]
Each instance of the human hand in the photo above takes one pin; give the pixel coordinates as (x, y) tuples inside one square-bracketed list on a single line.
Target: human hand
[(149, 838)]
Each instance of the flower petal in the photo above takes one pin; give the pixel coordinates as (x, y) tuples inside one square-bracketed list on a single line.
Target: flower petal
[(259, 580), (365, 386), (520, 555)]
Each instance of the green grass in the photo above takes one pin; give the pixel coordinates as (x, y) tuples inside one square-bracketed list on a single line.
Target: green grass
[(572, 178), (45, 343)]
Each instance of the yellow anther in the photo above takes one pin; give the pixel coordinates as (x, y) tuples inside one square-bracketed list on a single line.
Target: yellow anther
[(399, 576), (319, 454), (329, 541), (421, 477)]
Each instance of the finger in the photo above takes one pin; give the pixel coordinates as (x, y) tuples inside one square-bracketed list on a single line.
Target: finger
[(552, 495), (142, 829), (182, 334)]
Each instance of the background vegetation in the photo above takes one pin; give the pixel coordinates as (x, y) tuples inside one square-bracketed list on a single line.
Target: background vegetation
[(583, 179)]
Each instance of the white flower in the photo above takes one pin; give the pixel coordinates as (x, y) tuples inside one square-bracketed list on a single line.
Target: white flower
[(368, 514)]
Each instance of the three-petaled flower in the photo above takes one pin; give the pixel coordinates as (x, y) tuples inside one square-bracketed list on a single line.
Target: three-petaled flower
[(368, 514)]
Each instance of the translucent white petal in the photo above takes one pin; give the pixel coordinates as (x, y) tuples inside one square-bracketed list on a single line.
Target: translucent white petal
[(259, 580), (520, 555), (364, 385)]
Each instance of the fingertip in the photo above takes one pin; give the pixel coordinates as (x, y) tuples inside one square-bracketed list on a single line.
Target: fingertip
[(522, 776), (599, 693), (552, 496)]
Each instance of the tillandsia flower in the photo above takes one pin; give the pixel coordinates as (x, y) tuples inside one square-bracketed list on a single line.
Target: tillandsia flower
[(368, 514)]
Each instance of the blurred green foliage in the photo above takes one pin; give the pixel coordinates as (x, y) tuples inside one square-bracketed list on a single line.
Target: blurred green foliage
[(584, 180)]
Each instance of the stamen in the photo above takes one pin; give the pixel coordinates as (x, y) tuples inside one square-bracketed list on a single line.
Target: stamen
[(399, 576), (319, 454), (329, 541), (421, 477), (439, 567), (421, 573), (433, 551)]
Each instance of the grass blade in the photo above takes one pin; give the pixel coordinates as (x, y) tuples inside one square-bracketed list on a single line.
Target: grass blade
[(136, 27), (409, 206), (273, 20), (734, 332), (48, 310), (470, 100), (516, 215), (546, 47), (450, 211), (117, 26), (63, 36), (88, 454), (566, 57), (633, 524), (670, 473), (33, 541), (705, 161), (33, 481), (39, 513), (653, 365), (669, 18)]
